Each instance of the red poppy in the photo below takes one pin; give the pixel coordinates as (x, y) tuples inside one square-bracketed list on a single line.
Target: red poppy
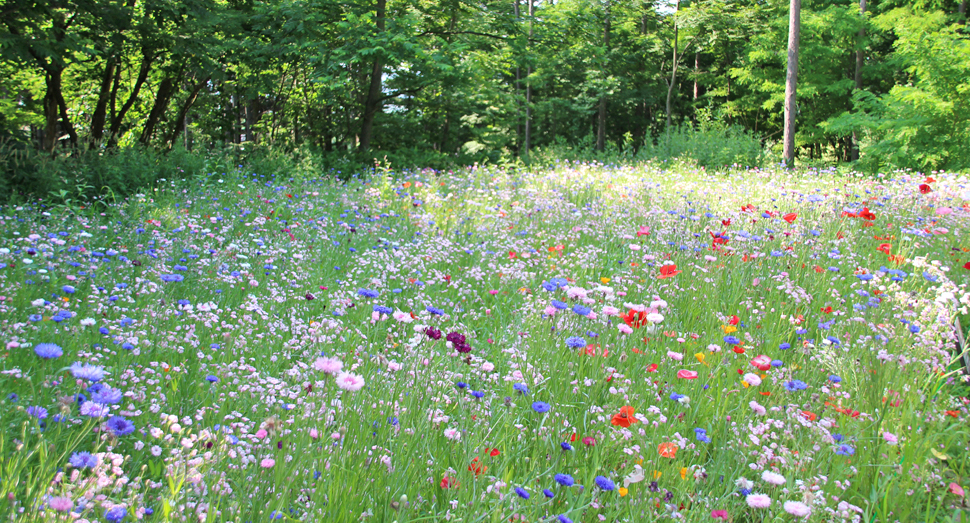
[(726, 223), (492, 452), (668, 271), (644, 231), (866, 214), (923, 188), (954, 413), (652, 367), (738, 349), (734, 320), (625, 417), (748, 208), (762, 362), (966, 266), (447, 482), (811, 416), (685, 374), (884, 247), (635, 319), (790, 217), (668, 450), (476, 467), (592, 349), (512, 255), (826, 310)]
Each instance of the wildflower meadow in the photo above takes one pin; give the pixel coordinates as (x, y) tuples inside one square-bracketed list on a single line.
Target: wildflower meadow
[(579, 342)]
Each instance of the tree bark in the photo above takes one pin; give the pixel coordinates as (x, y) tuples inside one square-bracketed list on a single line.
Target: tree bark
[(791, 80), (860, 57), (673, 75), (118, 119), (162, 97), (601, 118), (100, 115), (373, 102), (518, 89), (528, 88), (179, 125)]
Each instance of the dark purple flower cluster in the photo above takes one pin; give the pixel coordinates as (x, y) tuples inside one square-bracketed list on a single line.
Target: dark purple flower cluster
[(457, 340)]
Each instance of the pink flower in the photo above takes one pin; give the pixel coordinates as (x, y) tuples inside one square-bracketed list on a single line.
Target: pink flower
[(624, 328), (956, 489), (685, 374), (644, 231), (797, 509), (675, 355), (757, 408), (328, 365), (943, 211), (261, 433), (267, 463), (758, 501), (314, 434), (752, 379), (772, 477), (61, 504), (720, 514), (350, 382), (890, 438), (403, 317)]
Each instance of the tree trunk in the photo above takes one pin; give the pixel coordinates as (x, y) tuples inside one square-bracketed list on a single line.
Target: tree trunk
[(162, 97), (859, 59), (791, 80), (601, 118), (673, 75), (518, 89), (118, 119), (179, 125), (51, 113), (373, 102), (100, 115), (528, 87)]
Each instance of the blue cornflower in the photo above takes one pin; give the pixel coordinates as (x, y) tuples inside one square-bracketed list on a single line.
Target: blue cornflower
[(171, 277), (785, 346), (87, 371), (930, 277), (212, 378), (777, 363), (548, 493), (604, 483), (582, 310), (844, 450), (478, 394), (833, 340), (35, 317), (676, 397), (835, 379), (106, 395), (563, 519), (521, 493), (564, 479), (37, 412), (702, 435), (383, 310), (104, 331), (68, 289), (575, 342), (435, 311), (461, 385), (120, 426), (48, 351), (732, 340), (541, 407), (565, 445), (914, 329), (521, 388), (116, 514), (559, 305), (838, 438), (549, 286), (864, 277), (744, 492), (83, 460), (367, 293)]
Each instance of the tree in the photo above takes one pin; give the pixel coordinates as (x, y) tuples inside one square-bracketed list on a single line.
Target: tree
[(791, 78)]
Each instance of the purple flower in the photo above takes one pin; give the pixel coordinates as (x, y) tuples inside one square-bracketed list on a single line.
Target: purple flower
[(433, 333), (48, 351), (106, 396), (116, 514), (83, 460), (541, 407), (548, 493), (575, 342), (37, 412), (604, 483), (564, 479), (521, 493), (120, 426), (844, 450), (86, 371)]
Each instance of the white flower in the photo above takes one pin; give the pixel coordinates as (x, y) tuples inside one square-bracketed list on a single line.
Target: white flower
[(654, 317), (87, 322), (39, 302)]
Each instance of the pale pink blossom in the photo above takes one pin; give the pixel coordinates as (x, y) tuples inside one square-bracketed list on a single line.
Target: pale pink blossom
[(890, 438), (758, 501), (350, 382), (797, 509), (752, 379), (772, 477), (757, 408), (267, 463), (328, 365)]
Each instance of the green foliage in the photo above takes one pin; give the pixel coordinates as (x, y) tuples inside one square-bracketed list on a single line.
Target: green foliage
[(710, 145), (924, 121)]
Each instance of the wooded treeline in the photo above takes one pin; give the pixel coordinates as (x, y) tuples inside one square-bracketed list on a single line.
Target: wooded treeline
[(889, 79)]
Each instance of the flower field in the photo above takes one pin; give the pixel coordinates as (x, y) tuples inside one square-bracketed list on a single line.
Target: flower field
[(578, 343)]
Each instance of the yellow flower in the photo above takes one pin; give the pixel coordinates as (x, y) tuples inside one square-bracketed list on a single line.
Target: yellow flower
[(623, 491), (744, 384), (683, 473), (657, 474), (700, 357), (728, 329), (605, 280)]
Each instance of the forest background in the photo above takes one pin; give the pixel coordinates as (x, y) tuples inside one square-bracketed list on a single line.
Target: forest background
[(99, 98)]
